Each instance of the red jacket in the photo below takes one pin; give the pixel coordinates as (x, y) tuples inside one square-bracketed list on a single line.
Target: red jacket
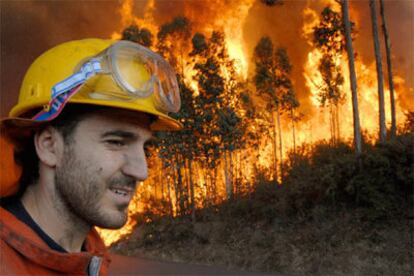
[(23, 252)]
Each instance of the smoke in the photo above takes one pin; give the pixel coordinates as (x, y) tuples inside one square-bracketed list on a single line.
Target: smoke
[(30, 27), (400, 22)]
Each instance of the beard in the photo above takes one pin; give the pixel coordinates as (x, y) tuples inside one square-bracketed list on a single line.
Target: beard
[(81, 191)]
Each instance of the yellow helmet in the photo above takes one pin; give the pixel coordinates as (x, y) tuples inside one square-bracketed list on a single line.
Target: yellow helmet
[(150, 82)]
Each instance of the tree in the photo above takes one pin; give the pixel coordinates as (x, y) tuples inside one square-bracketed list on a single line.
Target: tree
[(288, 99), (291, 104), (174, 42), (218, 124), (389, 67), (352, 76), (380, 78), (271, 81), (264, 80), (329, 38), (177, 151), (142, 36), (180, 148)]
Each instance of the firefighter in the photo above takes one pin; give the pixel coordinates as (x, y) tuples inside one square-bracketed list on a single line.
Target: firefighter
[(73, 150)]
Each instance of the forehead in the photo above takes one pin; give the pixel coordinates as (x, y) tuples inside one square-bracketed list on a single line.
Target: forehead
[(137, 123)]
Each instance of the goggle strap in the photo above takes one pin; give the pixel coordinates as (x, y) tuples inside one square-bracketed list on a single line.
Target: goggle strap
[(56, 106), (60, 94), (89, 69)]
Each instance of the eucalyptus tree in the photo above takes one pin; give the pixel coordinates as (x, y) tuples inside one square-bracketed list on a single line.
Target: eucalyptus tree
[(218, 124), (174, 42), (380, 77), (289, 100), (180, 147), (178, 150), (389, 67), (265, 80), (328, 37), (352, 77)]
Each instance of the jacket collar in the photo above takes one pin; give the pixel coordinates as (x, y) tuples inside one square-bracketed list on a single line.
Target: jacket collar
[(24, 240)]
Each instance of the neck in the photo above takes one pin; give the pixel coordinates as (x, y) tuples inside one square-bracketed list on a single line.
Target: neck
[(52, 215)]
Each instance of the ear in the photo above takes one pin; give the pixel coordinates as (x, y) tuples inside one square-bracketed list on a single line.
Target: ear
[(49, 146)]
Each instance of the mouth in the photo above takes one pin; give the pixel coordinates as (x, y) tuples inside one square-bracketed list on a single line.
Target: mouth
[(120, 191), (122, 195)]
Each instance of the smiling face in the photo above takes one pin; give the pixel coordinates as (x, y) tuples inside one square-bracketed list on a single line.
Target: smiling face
[(101, 163)]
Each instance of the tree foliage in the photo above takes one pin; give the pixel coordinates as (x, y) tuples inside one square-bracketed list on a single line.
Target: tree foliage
[(330, 40), (142, 36), (173, 41)]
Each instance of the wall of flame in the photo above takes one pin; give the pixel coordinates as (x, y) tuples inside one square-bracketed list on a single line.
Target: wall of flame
[(290, 26), (30, 27)]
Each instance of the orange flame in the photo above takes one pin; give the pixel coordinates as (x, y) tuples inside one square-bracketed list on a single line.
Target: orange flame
[(314, 128)]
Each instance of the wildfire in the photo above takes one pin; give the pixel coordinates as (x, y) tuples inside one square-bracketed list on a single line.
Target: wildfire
[(367, 90), (315, 125)]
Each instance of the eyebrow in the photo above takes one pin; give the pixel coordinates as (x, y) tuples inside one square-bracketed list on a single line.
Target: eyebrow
[(120, 133), (124, 134)]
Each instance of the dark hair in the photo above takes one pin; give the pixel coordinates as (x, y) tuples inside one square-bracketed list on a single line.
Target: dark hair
[(26, 156)]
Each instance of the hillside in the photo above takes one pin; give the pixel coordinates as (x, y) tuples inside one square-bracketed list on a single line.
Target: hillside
[(331, 216)]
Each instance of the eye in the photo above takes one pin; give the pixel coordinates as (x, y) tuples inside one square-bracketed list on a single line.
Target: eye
[(116, 143)]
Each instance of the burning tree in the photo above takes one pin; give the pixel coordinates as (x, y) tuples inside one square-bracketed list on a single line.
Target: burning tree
[(174, 40), (329, 38), (380, 77), (289, 101), (275, 87), (352, 76), (217, 123), (389, 67)]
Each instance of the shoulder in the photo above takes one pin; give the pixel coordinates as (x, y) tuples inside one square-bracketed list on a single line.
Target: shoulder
[(11, 262)]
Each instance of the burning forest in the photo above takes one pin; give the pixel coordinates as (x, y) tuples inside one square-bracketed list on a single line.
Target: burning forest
[(261, 82), (296, 154)]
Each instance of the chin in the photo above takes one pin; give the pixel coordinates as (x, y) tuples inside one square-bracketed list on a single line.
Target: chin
[(112, 220)]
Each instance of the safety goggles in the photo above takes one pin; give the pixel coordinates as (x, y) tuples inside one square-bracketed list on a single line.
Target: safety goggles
[(137, 72)]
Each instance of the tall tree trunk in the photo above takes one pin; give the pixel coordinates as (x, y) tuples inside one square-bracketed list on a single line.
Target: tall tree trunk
[(171, 205), (180, 186), (352, 77), (292, 116), (275, 175), (227, 176), (214, 184), (338, 127), (280, 144), (380, 77), (207, 184), (389, 67), (176, 190), (190, 169), (231, 173), (332, 124)]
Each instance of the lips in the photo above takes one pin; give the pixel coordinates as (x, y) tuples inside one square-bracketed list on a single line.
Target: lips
[(123, 191), (121, 195)]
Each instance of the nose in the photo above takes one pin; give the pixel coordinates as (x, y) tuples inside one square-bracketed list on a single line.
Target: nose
[(135, 164)]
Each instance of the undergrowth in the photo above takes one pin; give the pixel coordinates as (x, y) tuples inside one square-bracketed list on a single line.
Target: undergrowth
[(334, 214)]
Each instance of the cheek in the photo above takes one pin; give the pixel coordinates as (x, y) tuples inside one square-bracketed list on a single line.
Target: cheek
[(105, 164)]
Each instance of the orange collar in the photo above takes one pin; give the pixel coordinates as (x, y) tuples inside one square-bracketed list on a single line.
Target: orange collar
[(25, 241)]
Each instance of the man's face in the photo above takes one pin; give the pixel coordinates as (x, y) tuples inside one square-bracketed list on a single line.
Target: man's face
[(102, 161)]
